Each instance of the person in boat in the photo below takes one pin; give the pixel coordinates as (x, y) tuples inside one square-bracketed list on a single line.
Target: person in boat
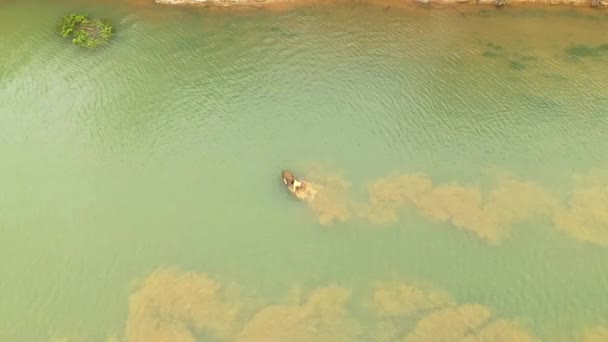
[(290, 180)]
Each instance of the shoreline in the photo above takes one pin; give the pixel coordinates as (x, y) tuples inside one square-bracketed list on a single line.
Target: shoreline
[(485, 3)]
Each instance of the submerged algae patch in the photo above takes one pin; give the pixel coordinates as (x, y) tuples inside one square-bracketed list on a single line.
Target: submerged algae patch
[(173, 305), (466, 207), (488, 214), (586, 215), (322, 317), (587, 51)]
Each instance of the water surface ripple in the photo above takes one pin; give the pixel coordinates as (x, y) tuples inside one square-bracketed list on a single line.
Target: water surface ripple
[(164, 149)]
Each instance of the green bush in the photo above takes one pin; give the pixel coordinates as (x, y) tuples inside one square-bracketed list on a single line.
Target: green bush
[(84, 31)]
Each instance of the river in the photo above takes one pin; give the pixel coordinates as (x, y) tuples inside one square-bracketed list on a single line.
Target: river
[(460, 153)]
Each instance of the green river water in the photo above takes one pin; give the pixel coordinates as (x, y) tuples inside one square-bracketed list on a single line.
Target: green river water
[(160, 154)]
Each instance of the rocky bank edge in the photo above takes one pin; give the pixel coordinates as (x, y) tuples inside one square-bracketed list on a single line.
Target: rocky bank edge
[(499, 3)]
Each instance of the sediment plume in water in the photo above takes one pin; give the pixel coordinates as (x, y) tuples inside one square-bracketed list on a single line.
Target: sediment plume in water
[(331, 202), (596, 334), (69, 338), (389, 194), (81, 339), (438, 317), (586, 216), (486, 215), (176, 306), (449, 324), (172, 305), (323, 317), (402, 300), (467, 323), (501, 330)]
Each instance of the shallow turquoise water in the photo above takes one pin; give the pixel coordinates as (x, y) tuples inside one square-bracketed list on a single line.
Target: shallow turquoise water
[(165, 148)]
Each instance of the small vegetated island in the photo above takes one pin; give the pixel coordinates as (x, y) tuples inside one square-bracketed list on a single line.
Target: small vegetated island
[(86, 32)]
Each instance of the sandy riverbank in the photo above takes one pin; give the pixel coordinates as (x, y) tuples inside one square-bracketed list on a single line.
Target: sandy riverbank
[(262, 3)]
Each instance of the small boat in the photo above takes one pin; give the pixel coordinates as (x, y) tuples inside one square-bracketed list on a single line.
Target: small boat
[(290, 180), (301, 189)]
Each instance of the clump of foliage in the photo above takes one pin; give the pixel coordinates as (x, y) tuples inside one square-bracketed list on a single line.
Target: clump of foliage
[(582, 51), (85, 32)]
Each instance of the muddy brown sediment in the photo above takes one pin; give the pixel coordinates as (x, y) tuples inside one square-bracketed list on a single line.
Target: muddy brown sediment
[(171, 305), (488, 214), (595, 334), (331, 203), (586, 216), (322, 317), (395, 299), (271, 3), (438, 317)]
